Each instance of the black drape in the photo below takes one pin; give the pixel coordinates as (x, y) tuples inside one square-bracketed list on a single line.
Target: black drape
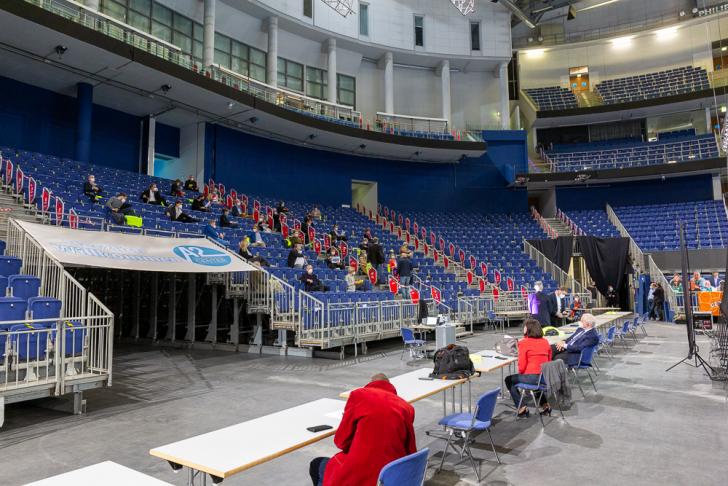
[(607, 260), (557, 250)]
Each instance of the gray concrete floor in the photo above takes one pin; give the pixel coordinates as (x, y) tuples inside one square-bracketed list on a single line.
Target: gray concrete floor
[(644, 426)]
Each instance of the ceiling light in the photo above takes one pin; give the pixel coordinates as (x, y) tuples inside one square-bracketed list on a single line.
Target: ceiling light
[(535, 53), (597, 5), (622, 42), (724, 49), (665, 34)]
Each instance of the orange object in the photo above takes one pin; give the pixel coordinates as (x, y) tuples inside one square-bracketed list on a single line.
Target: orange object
[(710, 302)]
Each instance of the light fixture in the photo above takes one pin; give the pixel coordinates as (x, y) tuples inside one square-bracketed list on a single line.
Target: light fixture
[(342, 7), (535, 53), (666, 34), (723, 109), (597, 5), (230, 105), (724, 48), (622, 42)]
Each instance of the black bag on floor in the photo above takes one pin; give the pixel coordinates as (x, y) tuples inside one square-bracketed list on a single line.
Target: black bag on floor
[(452, 363)]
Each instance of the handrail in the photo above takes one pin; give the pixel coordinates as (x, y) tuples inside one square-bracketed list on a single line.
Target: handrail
[(550, 231), (564, 279), (570, 223)]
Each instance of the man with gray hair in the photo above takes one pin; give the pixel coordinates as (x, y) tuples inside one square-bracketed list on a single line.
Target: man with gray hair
[(584, 337)]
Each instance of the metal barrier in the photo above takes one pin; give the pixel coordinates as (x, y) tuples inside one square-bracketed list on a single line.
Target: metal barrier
[(55, 356)]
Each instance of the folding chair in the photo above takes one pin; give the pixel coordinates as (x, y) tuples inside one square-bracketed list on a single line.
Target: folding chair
[(585, 363), (415, 346), (406, 471)]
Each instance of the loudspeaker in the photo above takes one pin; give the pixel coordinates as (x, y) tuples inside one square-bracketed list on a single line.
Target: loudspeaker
[(572, 13)]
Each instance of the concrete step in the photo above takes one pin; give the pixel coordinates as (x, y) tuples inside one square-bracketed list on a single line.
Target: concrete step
[(559, 226)]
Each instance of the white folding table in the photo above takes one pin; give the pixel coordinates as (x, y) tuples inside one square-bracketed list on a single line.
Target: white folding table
[(104, 473), (225, 452), (489, 360)]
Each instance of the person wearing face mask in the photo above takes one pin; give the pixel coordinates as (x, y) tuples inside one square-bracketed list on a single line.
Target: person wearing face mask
[(311, 282), (569, 350), (296, 258), (533, 351), (558, 306), (91, 189)]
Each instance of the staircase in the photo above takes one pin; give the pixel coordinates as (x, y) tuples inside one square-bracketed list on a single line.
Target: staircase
[(11, 207), (559, 226), (588, 98)]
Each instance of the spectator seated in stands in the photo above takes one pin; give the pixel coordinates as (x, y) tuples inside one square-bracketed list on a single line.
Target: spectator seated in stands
[(577, 309), (152, 195), (119, 208), (255, 237), (175, 213), (376, 429), (237, 210), (352, 282), (336, 234), (293, 239), (281, 208), (364, 246), (333, 259), (212, 232), (225, 221), (296, 258), (533, 351), (214, 197), (92, 190), (569, 350), (307, 223), (200, 203), (311, 282), (177, 189), (315, 213), (191, 184), (244, 251)]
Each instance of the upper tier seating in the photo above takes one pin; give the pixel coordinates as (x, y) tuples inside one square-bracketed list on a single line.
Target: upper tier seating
[(594, 222), (552, 98), (636, 154), (676, 81), (656, 227)]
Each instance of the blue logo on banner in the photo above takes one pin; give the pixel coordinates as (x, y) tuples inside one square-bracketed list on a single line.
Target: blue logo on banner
[(201, 255)]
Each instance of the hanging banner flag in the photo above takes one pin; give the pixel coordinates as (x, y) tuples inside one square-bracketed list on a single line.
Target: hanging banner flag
[(234, 194), (270, 221), (432, 238), (393, 285), (343, 249), (256, 204), (72, 219), (244, 198), (469, 276), (497, 276), (391, 226), (451, 249), (426, 249), (18, 180), (221, 189), (481, 285), (400, 220), (399, 232), (31, 190), (327, 241), (414, 295), (483, 269), (436, 256), (473, 262), (373, 275), (229, 201), (8, 172), (446, 262), (423, 233), (441, 244), (496, 293), (417, 243), (353, 263), (269, 211), (256, 214), (205, 190), (415, 227), (296, 225), (524, 292), (371, 215), (461, 254), (311, 233), (211, 183), (60, 209), (283, 218), (317, 246), (407, 238), (379, 208), (436, 294), (284, 230), (510, 284), (45, 199), (407, 223)]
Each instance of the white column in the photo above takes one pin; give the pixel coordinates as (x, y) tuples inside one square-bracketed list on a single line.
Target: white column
[(708, 119), (208, 38), (271, 76), (386, 63), (443, 70), (93, 4), (331, 56), (504, 102), (517, 116)]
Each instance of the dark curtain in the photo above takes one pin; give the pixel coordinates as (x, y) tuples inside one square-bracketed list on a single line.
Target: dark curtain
[(557, 250), (607, 260)]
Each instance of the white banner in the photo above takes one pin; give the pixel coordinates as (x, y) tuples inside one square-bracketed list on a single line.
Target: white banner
[(134, 252)]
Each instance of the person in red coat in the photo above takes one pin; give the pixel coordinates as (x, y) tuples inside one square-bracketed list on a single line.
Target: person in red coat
[(376, 429), (533, 351)]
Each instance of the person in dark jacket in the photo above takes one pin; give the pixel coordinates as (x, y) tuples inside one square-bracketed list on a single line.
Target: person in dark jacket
[(375, 253), (333, 259), (307, 223), (540, 305), (584, 337), (612, 299), (152, 195), (175, 213), (212, 232), (191, 184), (659, 302), (244, 251), (311, 282), (296, 258), (91, 189), (336, 234), (176, 189), (200, 203), (404, 267), (225, 221)]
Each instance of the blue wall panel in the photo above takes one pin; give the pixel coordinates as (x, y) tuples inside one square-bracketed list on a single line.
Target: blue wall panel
[(678, 189), (42, 121), (508, 151), (260, 166)]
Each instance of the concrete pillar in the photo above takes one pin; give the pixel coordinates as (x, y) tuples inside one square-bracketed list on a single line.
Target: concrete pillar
[(271, 76), (717, 188), (150, 143), (84, 115), (332, 86), (708, 119), (208, 39), (504, 101), (517, 116), (92, 4), (386, 63), (443, 70)]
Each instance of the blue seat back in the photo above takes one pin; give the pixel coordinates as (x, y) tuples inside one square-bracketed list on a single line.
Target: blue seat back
[(3, 285), (3, 245), (12, 309), (10, 265), (44, 308), (486, 405), (405, 471), (75, 338), (30, 341), (407, 334), (586, 355), (610, 333), (24, 286)]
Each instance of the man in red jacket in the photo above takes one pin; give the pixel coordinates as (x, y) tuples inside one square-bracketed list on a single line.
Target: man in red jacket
[(376, 429)]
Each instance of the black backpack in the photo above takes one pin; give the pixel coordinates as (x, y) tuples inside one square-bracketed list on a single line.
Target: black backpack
[(452, 363)]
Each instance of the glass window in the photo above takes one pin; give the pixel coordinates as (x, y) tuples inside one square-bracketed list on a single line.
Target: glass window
[(139, 21), (363, 19), (346, 90), (182, 41), (290, 75), (222, 58), (141, 6), (308, 8), (114, 9), (161, 31), (183, 25), (474, 36), (162, 14), (419, 31), (316, 82), (239, 50), (199, 32), (197, 50), (222, 43)]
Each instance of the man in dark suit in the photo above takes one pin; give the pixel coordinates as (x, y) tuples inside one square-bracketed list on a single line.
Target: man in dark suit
[(584, 337), (558, 306), (540, 305), (714, 280)]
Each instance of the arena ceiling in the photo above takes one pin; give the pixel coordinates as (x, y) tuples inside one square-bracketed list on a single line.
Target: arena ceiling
[(531, 11)]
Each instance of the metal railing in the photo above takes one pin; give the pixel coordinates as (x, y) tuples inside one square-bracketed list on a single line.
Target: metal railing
[(570, 223), (561, 277), (543, 223), (51, 357)]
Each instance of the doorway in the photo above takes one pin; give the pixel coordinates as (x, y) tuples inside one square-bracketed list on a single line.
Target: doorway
[(364, 194), (579, 79)]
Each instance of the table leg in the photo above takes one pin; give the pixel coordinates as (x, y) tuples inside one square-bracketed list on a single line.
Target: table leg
[(453, 399), (444, 403), (461, 398)]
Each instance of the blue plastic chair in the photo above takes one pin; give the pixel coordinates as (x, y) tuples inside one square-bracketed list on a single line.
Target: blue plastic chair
[(415, 346), (585, 363), (24, 286), (495, 320), (460, 426), (405, 471)]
